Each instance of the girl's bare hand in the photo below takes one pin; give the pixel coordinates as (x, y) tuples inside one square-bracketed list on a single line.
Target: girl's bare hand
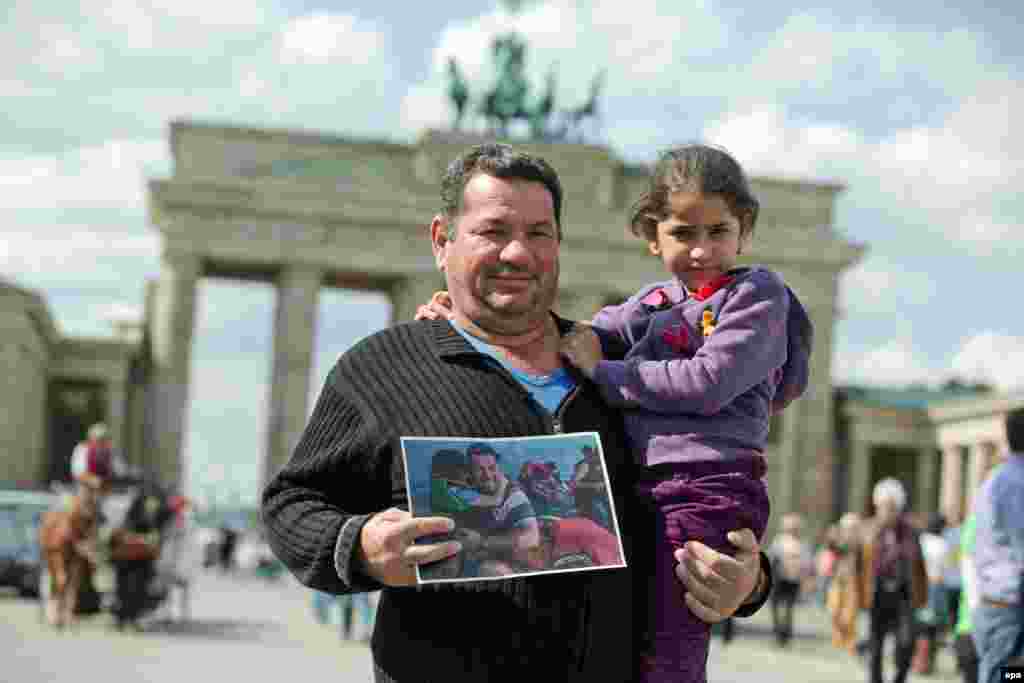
[(438, 308), (582, 348)]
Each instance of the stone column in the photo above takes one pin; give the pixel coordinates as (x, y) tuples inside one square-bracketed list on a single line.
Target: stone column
[(171, 333), (982, 456), (298, 289), (860, 477), (408, 294), (117, 397), (927, 464), (951, 486)]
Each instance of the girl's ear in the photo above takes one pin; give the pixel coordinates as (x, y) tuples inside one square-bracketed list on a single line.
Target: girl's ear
[(746, 234), (654, 247)]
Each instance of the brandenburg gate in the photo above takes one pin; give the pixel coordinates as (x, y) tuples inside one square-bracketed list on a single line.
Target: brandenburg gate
[(306, 211)]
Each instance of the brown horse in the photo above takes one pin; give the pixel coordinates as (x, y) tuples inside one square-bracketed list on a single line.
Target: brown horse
[(67, 538)]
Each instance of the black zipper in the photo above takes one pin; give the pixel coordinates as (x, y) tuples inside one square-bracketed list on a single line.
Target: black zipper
[(556, 419)]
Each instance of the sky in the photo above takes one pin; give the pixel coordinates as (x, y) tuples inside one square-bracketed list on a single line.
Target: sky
[(909, 105)]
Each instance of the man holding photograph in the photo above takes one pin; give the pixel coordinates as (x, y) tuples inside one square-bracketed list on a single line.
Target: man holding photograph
[(337, 513)]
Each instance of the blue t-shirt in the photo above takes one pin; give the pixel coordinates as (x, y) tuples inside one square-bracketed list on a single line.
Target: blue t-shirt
[(546, 390)]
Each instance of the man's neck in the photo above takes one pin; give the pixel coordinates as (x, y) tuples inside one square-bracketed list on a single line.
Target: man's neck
[(534, 351)]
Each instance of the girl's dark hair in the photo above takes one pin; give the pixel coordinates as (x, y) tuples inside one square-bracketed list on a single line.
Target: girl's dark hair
[(693, 168)]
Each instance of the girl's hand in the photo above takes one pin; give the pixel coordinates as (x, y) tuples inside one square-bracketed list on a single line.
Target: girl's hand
[(438, 308), (582, 348)]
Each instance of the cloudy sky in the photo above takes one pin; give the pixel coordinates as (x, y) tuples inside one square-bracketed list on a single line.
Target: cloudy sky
[(908, 104)]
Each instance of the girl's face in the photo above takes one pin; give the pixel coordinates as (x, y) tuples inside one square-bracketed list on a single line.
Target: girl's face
[(699, 239)]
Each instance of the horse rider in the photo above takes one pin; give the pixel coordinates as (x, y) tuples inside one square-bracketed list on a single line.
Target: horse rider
[(93, 464)]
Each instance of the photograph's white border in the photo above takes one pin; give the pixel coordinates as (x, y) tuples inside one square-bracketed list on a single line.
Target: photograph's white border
[(465, 440)]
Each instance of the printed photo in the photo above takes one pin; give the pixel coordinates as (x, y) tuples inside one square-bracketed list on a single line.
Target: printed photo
[(521, 506)]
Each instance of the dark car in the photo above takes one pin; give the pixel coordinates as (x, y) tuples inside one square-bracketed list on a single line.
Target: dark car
[(20, 556)]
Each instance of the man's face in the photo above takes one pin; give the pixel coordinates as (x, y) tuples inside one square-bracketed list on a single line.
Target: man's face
[(887, 511), (486, 477), (502, 264)]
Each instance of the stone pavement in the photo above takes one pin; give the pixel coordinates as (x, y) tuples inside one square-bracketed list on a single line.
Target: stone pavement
[(256, 631), (753, 654), (241, 629)]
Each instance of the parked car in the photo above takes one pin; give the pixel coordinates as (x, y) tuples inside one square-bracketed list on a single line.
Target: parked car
[(20, 556)]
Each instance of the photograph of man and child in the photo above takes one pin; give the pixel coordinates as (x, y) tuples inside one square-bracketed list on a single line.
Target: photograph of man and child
[(521, 506)]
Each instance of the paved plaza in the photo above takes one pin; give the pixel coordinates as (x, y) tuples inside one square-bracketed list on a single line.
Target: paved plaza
[(251, 630)]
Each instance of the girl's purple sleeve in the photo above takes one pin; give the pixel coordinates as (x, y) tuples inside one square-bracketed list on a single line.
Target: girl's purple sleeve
[(746, 347), (610, 327)]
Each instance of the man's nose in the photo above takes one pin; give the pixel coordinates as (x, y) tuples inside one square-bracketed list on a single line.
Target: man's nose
[(517, 253)]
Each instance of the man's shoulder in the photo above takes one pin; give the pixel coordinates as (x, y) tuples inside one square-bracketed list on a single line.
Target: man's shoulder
[(405, 340)]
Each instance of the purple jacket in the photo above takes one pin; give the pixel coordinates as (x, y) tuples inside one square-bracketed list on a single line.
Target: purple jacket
[(693, 398)]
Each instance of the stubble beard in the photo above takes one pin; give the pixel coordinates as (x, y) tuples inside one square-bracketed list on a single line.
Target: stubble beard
[(511, 319)]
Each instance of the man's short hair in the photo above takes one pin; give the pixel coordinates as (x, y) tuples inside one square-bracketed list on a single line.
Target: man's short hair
[(448, 463), (500, 161), (1015, 430), (481, 449), (890, 489), (98, 432)]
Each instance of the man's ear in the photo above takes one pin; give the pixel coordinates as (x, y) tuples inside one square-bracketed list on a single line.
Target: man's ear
[(439, 240)]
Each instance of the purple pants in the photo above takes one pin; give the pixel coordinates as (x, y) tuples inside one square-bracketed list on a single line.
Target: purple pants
[(694, 501)]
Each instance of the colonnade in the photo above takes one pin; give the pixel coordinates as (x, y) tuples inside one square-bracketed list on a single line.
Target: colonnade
[(964, 468)]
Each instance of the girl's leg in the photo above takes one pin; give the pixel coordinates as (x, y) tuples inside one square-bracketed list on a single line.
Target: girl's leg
[(691, 504), (679, 641)]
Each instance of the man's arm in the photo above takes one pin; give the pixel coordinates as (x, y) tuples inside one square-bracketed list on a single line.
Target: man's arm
[(747, 345), (516, 543), (323, 515)]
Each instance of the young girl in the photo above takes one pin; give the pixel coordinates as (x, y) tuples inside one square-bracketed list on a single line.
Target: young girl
[(713, 352)]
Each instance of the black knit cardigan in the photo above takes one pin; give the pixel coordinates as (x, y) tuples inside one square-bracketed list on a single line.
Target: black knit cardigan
[(424, 379)]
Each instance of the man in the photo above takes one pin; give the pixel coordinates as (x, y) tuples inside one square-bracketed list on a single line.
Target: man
[(506, 534), (893, 579), (493, 370), (999, 558), (93, 462), (589, 493), (790, 559)]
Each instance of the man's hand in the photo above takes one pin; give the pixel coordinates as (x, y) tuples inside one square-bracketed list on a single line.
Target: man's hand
[(582, 348), (438, 308), (717, 584), (387, 549)]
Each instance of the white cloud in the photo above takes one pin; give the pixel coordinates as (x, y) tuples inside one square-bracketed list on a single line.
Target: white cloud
[(322, 38), (111, 174), (870, 288), (767, 143), (895, 363), (957, 177), (993, 357), (66, 255)]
